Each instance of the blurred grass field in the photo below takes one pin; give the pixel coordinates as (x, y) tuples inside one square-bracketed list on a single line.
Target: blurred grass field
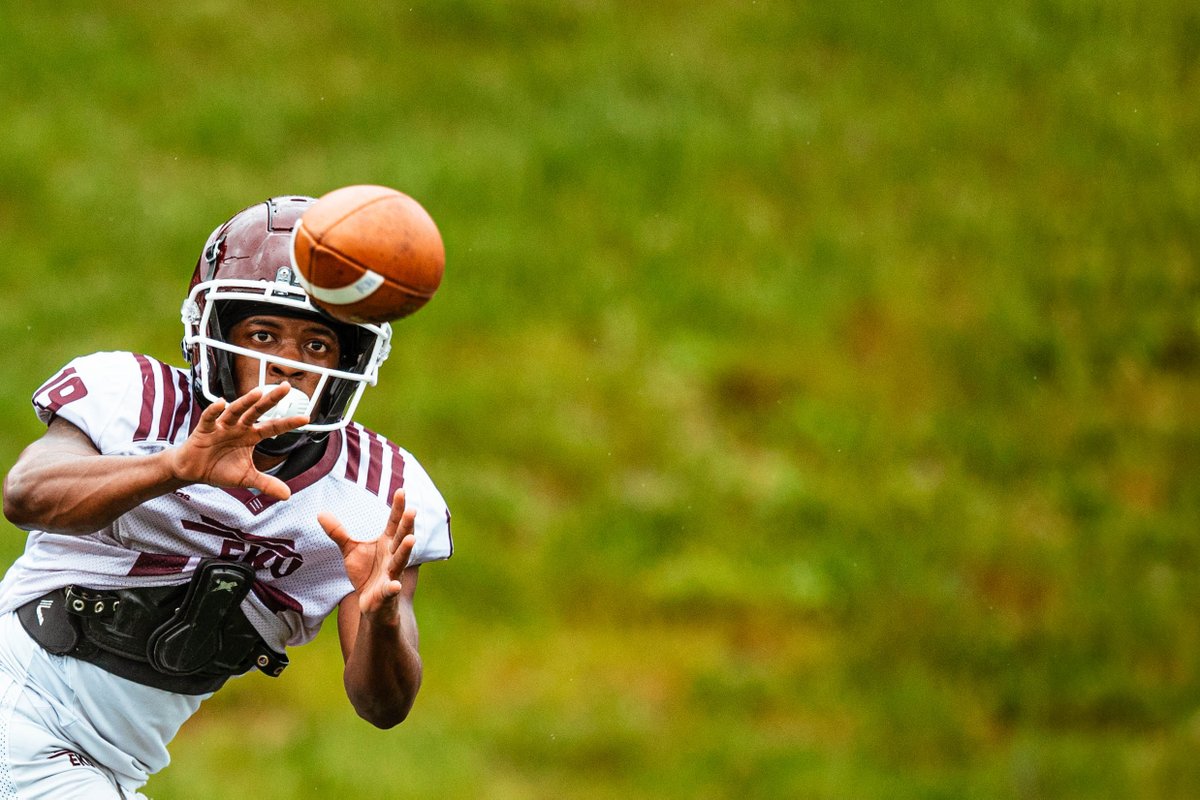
[(815, 386)]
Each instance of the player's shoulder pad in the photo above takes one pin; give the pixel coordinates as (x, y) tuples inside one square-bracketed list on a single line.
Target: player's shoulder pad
[(380, 466), (434, 541), (117, 398)]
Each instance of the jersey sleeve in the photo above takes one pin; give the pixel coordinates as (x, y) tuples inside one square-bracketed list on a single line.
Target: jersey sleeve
[(432, 532), (99, 394)]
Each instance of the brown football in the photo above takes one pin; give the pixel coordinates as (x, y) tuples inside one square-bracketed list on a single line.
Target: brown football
[(368, 254)]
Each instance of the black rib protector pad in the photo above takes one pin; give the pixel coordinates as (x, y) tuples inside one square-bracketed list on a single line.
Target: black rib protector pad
[(191, 639)]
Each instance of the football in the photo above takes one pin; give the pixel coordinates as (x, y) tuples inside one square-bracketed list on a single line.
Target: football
[(368, 254)]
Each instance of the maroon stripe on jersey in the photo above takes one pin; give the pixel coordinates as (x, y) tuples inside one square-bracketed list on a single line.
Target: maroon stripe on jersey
[(185, 400), (353, 433), (194, 417), (63, 374), (320, 469), (374, 462), (143, 429), (62, 377), (168, 404), (397, 481), (65, 387), (158, 564), (276, 600), (449, 536), (258, 503)]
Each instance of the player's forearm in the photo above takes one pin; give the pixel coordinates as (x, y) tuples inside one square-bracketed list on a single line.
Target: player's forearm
[(73, 494), (383, 673)]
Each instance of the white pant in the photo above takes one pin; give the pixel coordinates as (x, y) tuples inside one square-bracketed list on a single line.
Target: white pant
[(69, 730), (37, 762)]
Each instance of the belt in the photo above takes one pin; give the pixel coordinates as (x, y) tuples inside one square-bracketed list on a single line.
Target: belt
[(188, 639)]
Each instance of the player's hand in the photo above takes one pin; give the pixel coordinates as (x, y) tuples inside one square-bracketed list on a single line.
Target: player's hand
[(220, 451), (376, 566)]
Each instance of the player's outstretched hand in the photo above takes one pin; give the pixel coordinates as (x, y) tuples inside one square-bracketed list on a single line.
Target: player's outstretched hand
[(220, 451), (375, 566)]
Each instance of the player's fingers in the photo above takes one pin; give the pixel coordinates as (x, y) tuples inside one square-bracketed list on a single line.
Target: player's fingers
[(335, 530), (400, 558), (238, 407), (397, 514), (272, 487), (275, 427), (406, 527), (208, 418), (391, 589), (395, 534), (265, 401)]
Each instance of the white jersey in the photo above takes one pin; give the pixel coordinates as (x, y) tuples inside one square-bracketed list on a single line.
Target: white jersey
[(130, 404)]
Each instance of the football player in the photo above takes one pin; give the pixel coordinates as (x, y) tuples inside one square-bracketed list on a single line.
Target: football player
[(189, 525)]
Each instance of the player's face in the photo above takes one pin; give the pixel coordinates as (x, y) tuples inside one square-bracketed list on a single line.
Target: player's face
[(303, 340)]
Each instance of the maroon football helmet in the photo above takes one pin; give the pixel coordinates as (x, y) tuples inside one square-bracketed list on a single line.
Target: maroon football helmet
[(246, 268)]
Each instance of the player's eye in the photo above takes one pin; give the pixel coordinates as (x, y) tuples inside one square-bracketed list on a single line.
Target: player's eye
[(260, 337), (320, 346)]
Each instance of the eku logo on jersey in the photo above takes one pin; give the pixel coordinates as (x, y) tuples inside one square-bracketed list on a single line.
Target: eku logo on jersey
[(260, 552)]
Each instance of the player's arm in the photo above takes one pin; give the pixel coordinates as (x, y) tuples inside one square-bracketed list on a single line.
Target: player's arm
[(383, 662), (376, 623), (63, 484)]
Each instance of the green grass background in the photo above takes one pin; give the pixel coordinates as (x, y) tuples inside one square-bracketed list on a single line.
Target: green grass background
[(815, 385)]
